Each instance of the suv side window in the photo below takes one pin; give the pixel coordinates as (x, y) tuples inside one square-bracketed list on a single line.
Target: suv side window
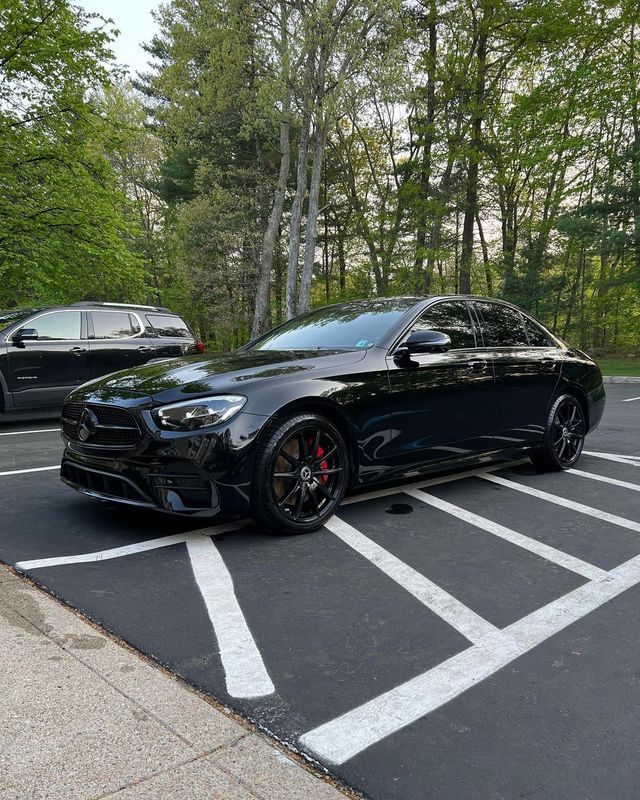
[(502, 326), (59, 325), (112, 325), (537, 337), (170, 327), (452, 318)]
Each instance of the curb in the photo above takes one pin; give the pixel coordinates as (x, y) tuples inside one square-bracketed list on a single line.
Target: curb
[(621, 378)]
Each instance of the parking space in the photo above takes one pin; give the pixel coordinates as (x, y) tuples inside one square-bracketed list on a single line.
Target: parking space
[(466, 636), (29, 445)]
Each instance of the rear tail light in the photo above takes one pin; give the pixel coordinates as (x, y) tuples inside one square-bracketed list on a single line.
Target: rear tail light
[(200, 347)]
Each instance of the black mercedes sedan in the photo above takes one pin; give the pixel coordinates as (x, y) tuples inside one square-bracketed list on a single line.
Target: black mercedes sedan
[(340, 397)]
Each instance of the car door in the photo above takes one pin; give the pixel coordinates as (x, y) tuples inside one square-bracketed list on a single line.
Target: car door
[(527, 369), (42, 371), (442, 402), (117, 341)]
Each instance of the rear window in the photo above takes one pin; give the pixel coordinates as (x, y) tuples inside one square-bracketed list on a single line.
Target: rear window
[(164, 325), (537, 337), (113, 325), (502, 326)]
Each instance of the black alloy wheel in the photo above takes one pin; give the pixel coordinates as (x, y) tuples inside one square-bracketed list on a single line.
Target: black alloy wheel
[(563, 437), (300, 476)]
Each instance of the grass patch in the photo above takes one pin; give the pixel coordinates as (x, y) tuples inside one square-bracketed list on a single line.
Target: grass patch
[(619, 366)]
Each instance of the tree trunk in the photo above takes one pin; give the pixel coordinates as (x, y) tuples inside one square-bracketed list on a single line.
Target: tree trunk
[(427, 145), (320, 141), (273, 226), (301, 190), (471, 194), (485, 257)]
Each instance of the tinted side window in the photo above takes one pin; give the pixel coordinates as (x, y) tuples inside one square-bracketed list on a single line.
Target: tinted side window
[(451, 318), (163, 325), (57, 326), (111, 324), (537, 337), (501, 326)]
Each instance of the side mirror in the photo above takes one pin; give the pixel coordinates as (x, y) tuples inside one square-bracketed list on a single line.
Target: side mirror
[(25, 335), (428, 342)]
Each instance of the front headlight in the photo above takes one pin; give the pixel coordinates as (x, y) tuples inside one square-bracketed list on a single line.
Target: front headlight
[(197, 414)]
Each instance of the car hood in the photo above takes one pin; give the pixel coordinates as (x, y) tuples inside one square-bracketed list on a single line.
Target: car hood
[(172, 380)]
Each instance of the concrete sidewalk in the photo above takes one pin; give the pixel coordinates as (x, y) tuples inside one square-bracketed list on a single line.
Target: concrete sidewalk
[(83, 717)]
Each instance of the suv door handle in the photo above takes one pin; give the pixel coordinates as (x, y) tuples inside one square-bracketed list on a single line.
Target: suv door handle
[(78, 351), (548, 364)]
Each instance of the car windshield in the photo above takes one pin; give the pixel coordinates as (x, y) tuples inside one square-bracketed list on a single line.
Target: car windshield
[(8, 318), (347, 326)]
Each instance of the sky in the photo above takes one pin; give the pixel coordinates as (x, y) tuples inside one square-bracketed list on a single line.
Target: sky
[(133, 19)]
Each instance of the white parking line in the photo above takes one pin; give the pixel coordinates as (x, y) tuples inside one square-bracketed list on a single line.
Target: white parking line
[(605, 516), (633, 461), (127, 549), (463, 619), (24, 471), (630, 399), (245, 672), (635, 487), (103, 555), (346, 736), (23, 433), (532, 545)]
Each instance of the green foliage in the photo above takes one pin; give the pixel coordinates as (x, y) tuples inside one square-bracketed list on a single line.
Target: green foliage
[(63, 233), (485, 139)]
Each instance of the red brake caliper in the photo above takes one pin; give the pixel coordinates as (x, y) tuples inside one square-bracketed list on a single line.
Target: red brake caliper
[(323, 479)]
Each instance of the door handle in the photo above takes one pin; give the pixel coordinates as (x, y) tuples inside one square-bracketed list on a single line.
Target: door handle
[(78, 351), (548, 364), (145, 349), (477, 365)]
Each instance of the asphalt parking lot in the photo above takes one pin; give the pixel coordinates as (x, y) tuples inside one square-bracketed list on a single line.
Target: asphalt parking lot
[(469, 636)]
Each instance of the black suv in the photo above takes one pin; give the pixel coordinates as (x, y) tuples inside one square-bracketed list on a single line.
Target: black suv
[(47, 352)]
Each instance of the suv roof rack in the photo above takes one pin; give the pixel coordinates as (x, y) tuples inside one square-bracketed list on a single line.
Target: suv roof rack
[(93, 304)]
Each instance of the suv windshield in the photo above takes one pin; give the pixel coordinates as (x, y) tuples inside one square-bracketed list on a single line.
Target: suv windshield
[(8, 318), (347, 326)]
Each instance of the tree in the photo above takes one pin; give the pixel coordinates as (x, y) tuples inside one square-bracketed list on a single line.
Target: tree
[(64, 232)]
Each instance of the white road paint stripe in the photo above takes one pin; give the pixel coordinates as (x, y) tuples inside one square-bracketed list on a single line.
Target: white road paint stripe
[(128, 549), (532, 545), (605, 516), (24, 471), (246, 674), (463, 619), (346, 736), (103, 555), (630, 399), (401, 488), (24, 433), (635, 487), (633, 461)]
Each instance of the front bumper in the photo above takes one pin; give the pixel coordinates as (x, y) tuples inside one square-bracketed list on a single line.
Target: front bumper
[(203, 474)]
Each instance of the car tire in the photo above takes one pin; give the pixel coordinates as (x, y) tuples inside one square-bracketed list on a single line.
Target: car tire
[(300, 475), (564, 435)]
